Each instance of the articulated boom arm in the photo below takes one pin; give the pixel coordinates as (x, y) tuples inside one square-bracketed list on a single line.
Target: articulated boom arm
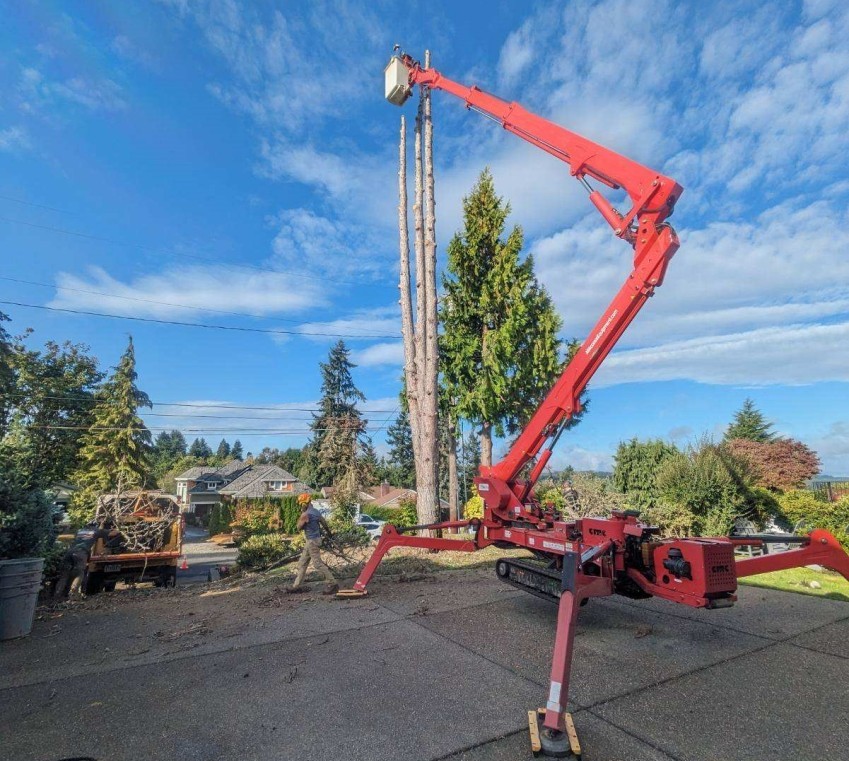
[(643, 227)]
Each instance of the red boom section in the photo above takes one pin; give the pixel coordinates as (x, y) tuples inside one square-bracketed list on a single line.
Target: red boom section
[(643, 226)]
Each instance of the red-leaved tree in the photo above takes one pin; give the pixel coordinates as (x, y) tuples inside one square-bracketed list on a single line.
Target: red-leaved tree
[(778, 465)]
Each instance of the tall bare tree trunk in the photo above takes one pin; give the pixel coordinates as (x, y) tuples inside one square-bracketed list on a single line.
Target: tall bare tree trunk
[(429, 388), (486, 444), (421, 367), (407, 327)]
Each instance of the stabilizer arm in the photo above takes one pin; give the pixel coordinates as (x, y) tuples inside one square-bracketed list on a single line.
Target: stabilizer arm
[(392, 537), (822, 549)]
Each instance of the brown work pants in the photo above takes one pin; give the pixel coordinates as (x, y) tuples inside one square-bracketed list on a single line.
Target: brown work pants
[(312, 552)]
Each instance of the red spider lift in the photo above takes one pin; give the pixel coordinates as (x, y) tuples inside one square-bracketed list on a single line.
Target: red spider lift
[(588, 557)]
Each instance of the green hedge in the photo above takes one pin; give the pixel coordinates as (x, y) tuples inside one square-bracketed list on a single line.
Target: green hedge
[(268, 515), (800, 505), (402, 516)]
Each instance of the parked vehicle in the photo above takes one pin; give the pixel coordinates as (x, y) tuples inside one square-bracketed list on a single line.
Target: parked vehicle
[(149, 547), (373, 527)]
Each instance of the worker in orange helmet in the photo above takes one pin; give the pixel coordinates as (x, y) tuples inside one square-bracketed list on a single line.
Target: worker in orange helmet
[(312, 521)]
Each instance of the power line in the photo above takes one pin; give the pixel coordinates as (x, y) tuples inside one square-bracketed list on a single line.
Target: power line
[(36, 205), (151, 301), (182, 254), (93, 400), (209, 431), (195, 324)]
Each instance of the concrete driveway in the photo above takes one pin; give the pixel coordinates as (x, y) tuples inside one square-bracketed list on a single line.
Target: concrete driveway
[(202, 556), (443, 667)]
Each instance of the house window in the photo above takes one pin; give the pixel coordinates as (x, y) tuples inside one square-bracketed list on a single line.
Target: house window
[(275, 485)]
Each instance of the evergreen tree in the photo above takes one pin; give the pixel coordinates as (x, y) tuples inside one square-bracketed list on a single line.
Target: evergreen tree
[(399, 437), (200, 449), (236, 450), (168, 449), (749, 423), (499, 351), (338, 427), (223, 451), (635, 469), (291, 459), (116, 450), (368, 464)]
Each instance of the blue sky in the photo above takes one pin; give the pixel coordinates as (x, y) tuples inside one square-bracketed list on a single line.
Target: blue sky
[(241, 158)]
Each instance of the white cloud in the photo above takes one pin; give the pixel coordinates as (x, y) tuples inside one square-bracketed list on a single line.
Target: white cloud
[(37, 92), (199, 288), (319, 244), (13, 139), (377, 322), (389, 353), (832, 446), (757, 357)]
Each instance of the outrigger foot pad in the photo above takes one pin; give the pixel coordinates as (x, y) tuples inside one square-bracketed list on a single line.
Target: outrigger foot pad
[(550, 743), (349, 593)]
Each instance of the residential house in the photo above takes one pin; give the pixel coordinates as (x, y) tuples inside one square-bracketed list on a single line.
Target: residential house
[(261, 481), (383, 495), (200, 488)]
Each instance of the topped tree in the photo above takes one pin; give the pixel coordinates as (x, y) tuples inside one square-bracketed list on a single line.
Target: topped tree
[(749, 423)]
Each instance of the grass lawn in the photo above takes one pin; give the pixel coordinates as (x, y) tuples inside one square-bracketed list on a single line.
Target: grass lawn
[(833, 585)]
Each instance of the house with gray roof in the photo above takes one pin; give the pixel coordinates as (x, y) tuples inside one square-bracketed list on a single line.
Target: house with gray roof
[(198, 487), (202, 487), (264, 481)]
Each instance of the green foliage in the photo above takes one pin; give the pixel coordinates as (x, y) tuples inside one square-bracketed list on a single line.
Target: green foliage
[(399, 437), (402, 516), (468, 463), (635, 470), (50, 409), (200, 449), (220, 518), (702, 491), (26, 517), (236, 450), (116, 450), (801, 506), (499, 350), (749, 423), (223, 451), (333, 454), (261, 550), (7, 376), (271, 514), (169, 448)]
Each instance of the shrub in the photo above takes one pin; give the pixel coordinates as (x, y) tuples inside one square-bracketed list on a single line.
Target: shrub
[(474, 507), (260, 550), (26, 522), (702, 491), (800, 505)]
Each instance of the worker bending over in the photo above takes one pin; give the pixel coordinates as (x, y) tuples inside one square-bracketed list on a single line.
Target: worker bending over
[(312, 521)]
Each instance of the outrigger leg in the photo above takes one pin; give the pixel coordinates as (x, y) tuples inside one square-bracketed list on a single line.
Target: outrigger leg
[(394, 537)]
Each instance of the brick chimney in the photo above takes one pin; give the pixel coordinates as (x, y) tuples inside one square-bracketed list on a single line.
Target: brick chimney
[(385, 488)]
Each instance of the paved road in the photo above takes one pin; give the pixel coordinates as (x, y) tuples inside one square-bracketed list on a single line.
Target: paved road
[(202, 556), (444, 667)]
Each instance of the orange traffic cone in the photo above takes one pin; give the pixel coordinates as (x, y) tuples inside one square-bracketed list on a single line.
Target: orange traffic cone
[(184, 565)]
